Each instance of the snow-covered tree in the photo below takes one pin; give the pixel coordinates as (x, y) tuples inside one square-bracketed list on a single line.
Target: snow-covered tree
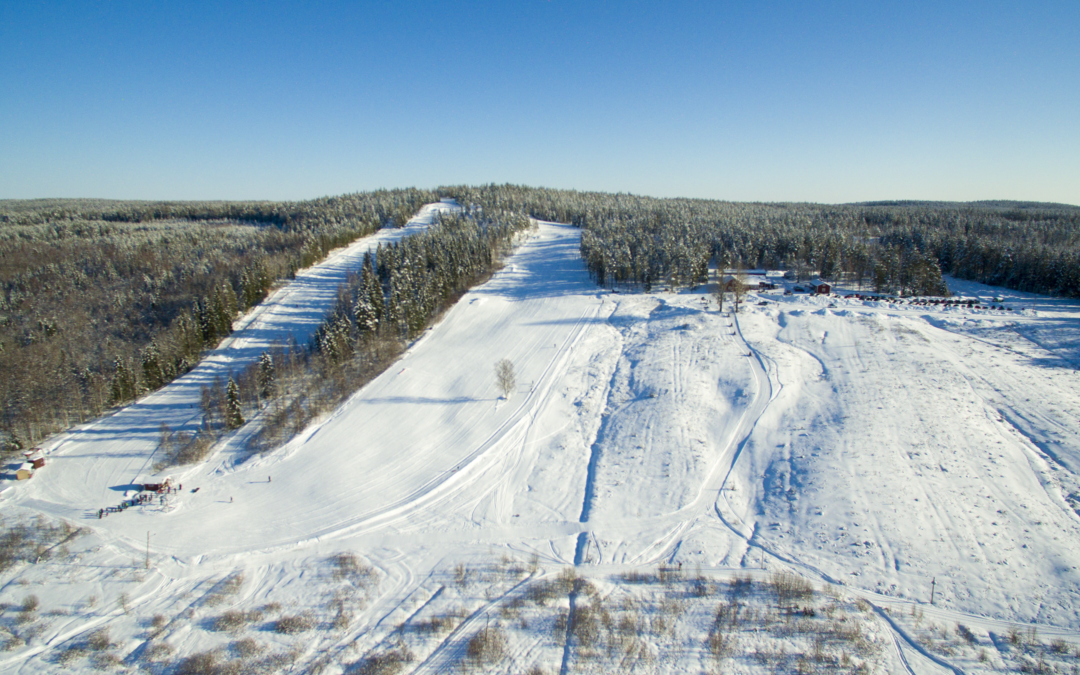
[(234, 416), (267, 376), (505, 377)]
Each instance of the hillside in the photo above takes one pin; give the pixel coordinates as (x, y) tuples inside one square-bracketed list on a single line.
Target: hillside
[(655, 455)]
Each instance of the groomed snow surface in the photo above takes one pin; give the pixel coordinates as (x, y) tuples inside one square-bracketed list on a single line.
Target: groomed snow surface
[(674, 458)]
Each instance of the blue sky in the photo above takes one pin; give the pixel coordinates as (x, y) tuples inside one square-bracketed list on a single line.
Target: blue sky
[(748, 101)]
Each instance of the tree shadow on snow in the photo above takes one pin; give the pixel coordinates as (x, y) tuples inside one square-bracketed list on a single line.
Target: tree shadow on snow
[(420, 400)]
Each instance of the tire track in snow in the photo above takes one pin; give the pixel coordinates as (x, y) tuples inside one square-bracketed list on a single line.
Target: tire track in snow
[(461, 475), (294, 308), (749, 422), (448, 652), (594, 456)]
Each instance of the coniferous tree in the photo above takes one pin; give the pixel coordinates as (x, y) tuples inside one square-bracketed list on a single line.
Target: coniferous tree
[(234, 416), (267, 376), (153, 372), (124, 385)]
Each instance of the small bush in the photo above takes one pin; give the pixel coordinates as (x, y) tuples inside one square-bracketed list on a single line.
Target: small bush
[(99, 640), (741, 586), (247, 647), (486, 647), (387, 663), (29, 604), (542, 592), (105, 660), (790, 589), (203, 663), (232, 620), (635, 577), (461, 574), (584, 626), (186, 448), (436, 624), (567, 579), (227, 588), (347, 566), (72, 654), (158, 651), (13, 642), (721, 645), (699, 587), (297, 623), (158, 623), (965, 633)]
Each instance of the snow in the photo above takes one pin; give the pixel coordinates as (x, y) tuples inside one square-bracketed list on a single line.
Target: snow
[(872, 447)]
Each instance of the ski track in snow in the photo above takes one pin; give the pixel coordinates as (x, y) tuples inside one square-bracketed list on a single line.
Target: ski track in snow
[(865, 444)]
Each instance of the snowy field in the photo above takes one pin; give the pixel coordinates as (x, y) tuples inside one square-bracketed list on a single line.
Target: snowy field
[(658, 468)]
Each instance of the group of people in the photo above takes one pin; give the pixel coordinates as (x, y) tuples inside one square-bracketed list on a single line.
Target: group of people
[(141, 499)]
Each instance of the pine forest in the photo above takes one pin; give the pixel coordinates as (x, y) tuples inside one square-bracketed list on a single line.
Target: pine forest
[(102, 301)]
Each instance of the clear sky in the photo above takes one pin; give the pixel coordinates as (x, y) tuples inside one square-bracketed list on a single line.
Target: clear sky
[(748, 101)]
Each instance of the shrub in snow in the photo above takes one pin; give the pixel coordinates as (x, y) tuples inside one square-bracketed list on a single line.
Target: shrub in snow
[(487, 646), (297, 623)]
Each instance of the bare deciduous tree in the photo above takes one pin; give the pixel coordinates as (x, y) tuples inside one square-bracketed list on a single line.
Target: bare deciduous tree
[(718, 291), (739, 287), (505, 378)]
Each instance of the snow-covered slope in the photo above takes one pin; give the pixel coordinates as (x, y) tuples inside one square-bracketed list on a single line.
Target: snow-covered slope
[(873, 448), (93, 465), (890, 458)]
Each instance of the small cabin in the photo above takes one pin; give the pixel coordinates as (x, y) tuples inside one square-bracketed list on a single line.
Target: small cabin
[(35, 458), (749, 281), (820, 287), (159, 488), (25, 472)]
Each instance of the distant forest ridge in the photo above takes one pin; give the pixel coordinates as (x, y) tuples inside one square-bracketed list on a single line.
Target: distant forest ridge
[(987, 203), (101, 300), (898, 249)]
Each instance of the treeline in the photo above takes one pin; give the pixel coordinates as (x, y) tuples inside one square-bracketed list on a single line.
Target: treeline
[(894, 247), (398, 292), (101, 301), (392, 207), (645, 241)]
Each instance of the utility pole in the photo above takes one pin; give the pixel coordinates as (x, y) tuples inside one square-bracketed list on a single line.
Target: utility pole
[(148, 549), (933, 584)]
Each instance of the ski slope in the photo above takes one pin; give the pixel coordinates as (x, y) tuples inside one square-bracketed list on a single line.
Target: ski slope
[(873, 447), (99, 461)]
